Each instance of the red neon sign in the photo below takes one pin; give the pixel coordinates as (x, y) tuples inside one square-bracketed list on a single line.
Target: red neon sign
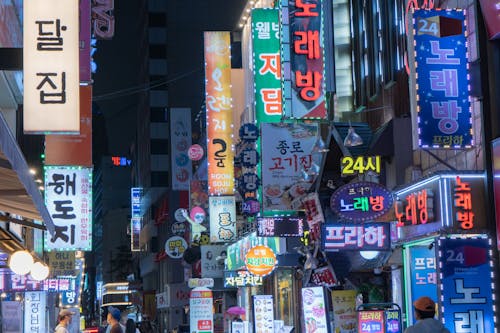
[(463, 204)]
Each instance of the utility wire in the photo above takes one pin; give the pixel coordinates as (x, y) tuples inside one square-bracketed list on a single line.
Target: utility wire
[(141, 88)]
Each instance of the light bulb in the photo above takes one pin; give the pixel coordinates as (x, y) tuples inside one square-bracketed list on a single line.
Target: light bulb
[(39, 271), (20, 262), (352, 138)]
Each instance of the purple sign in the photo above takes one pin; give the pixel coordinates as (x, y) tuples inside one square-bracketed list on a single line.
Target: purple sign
[(280, 226), (358, 237), (250, 207), (361, 201), (10, 282)]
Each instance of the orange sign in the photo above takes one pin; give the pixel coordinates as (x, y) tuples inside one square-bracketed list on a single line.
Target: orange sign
[(260, 260), (220, 153)]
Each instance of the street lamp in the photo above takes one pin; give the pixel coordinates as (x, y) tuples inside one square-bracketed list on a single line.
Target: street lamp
[(39, 271)]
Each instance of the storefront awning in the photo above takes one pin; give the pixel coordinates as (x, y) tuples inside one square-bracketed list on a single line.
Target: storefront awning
[(19, 193)]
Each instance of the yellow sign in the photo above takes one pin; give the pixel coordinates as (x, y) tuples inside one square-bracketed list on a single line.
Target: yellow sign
[(260, 260), (361, 164)]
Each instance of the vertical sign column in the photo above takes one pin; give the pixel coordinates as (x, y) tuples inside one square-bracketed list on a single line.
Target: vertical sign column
[(136, 218), (51, 66), (220, 150)]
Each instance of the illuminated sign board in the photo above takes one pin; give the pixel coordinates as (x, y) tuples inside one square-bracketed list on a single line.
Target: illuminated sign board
[(236, 252), (120, 161), (10, 282), (467, 289), (359, 237), (361, 201), (314, 310), (371, 321), (456, 204), (61, 263), (68, 197), (220, 150), (222, 219), (263, 312), (236, 279), (303, 59), (51, 66), (35, 303), (260, 260), (280, 226), (358, 165), (442, 79), (180, 141), (415, 208), (136, 217), (200, 310), (267, 64)]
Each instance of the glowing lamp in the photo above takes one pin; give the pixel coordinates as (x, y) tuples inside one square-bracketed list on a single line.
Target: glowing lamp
[(39, 271), (369, 255), (21, 262)]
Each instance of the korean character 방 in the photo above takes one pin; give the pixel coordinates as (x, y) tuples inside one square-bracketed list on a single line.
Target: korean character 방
[(420, 279), (310, 82), (422, 206), (445, 80), (49, 35), (306, 8), (375, 235), (377, 203), (307, 44), (469, 321), (447, 112), (361, 203), (345, 207), (271, 98), (463, 200), (63, 183), (466, 219), (51, 95), (263, 30), (250, 181)]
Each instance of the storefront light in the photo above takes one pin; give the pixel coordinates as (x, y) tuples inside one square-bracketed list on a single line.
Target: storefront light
[(21, 262), (39, 271), (369, 255)]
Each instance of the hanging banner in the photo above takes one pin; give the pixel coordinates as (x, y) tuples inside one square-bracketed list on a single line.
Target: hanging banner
[(220, 150), (200, 310), (266, 65), (467, 288), (303, 59), (314, 310), (35, 303), (51, 66), (284, 161), (443, 100), (368, 236), (136, 217), (222, 219), (68, 196), (180, 141), (85, 37)]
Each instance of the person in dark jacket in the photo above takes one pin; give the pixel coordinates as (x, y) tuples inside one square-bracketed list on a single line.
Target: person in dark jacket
[(425, 310)]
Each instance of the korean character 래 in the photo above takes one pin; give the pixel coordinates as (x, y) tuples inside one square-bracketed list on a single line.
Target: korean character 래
[(307, 43), (361, 203)]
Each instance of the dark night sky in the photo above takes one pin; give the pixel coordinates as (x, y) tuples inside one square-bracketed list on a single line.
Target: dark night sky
[(118, 60)]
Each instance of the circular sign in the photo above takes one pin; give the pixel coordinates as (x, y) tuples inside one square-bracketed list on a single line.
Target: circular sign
[(179, 215), (178, 228), (197, 214), (195, 152), (361, 201), (175, 247), (260, 260)]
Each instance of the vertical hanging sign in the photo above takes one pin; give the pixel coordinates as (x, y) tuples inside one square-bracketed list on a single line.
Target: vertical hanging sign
[(443, 99), (51, 66), (303, 59), (267, 65), (68, 197), (136, 217), (34, 311), (180, 141), (220, 150)]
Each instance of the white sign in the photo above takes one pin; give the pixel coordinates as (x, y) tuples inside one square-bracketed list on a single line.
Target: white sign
[(313, 307), (175, 247), (12, 317), (263, 308), (34, 312), (162, 300), (180, 142), (200, 309), (212, 261), (68, 196), (206, 282), (222, 212), (51, 66)]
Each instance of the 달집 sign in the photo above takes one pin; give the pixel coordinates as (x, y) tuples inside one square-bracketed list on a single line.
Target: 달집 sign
[(442, 79), (357, 237), (361, 201)]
